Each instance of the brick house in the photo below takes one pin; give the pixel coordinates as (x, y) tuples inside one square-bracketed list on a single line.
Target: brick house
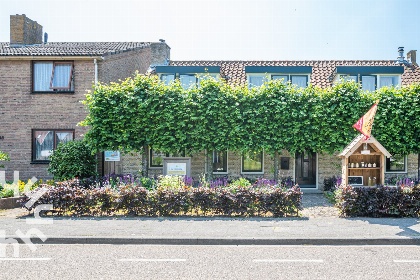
[(309, 169), (42, 84)]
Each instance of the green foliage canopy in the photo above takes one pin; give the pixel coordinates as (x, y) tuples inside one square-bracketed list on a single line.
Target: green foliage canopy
[(219, 116)]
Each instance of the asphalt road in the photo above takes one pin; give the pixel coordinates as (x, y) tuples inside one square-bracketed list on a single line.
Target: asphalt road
[(211, 262)]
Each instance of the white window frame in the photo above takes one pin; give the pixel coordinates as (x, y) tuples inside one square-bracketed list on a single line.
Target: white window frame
[(256, 172), (269, 77), (197, 75), (398, 172), (378, 78)]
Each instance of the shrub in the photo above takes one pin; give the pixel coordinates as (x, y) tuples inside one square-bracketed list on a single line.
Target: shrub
[(3, 157), (379, 202), (72, 159), (70, 198)]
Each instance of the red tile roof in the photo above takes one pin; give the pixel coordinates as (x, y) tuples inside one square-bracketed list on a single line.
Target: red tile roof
[(322, 70)]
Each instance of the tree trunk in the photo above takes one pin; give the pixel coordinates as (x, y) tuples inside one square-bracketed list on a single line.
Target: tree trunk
[(144, 162), (276, 165), (209, 166)]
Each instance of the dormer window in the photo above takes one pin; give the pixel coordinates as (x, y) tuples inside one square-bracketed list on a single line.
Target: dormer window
[(296, 75), (371, 77), (188, 75), (53, 76)]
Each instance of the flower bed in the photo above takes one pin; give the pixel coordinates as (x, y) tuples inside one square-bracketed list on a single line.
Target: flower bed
[(379, 202), (171, 195)]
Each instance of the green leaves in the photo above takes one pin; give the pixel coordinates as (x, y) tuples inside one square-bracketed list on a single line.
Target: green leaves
[(219, 116), (3, 157), (72, 159)]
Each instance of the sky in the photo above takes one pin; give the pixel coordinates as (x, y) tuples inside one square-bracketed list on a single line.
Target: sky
[(233, 29)]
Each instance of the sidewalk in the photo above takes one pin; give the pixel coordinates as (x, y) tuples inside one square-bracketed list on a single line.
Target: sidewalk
[(319, 226)]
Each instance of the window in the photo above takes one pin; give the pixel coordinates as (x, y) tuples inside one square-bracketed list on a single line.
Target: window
[(371, 82), (187, 80), (167, 78), (156, 157), (368, 82), (280, 77), (396, 163), (205, 77), (53, 76), (347, 78), (44, 141), (252, 162), (220, 162), (388, 81), (258, 80)]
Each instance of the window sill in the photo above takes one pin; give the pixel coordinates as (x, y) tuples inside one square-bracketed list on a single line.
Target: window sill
[(155, 167), (252, 173), (398, 172), (220, 173), (52, 92), (40, 162)]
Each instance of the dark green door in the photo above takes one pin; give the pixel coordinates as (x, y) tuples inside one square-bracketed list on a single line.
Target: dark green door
[(306, 169)]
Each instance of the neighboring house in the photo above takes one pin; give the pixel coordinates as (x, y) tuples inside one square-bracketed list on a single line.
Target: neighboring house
[(42, 84)]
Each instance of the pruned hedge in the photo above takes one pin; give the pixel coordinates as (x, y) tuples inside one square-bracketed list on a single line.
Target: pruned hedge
[(379, 202), (70, 198)]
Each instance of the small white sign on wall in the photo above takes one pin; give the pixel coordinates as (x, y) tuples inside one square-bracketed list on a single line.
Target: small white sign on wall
[(178, 168)]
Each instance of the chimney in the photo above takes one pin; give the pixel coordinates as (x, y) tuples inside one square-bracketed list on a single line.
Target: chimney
[(24, 31), (161, 52), (411, 57)]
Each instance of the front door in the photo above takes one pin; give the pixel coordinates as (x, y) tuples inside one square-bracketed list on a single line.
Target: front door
[(306, 169)]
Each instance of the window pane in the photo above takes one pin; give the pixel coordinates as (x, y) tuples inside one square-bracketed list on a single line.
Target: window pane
[(187, 81), (44, 144), (63, 137), (300, 81), (207, 77), (62, 75), (279, 77), (387, 81), (219, 161), (395, 163), (368, 83), (252, 162), (350, 78), (256, 81), (156, 158), (167, 78), (42, 76)]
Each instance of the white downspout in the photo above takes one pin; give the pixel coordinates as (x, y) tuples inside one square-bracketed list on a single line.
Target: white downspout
[(96, 83), (96, 72)]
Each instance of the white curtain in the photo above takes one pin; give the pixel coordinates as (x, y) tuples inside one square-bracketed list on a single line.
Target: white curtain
[(62, 74), (64, 137), (42, 76), (387, 81), (167, 79), (43, 145), (300, 81), (187, 81), (256, 81), (368, 83), (284, 77)]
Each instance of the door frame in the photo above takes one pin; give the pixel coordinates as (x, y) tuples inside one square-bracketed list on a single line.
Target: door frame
[(316, 169)]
